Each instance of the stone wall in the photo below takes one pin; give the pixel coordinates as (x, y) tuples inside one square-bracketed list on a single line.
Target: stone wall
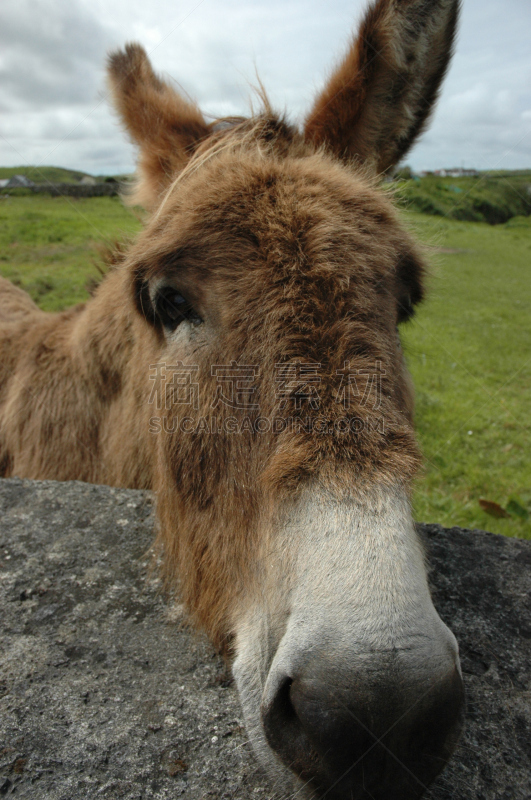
[(104, 692), (77, 189), (67, 189)]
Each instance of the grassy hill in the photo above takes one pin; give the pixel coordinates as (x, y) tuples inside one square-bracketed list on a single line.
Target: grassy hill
[(44, 174), (489, 197), (54, 174)]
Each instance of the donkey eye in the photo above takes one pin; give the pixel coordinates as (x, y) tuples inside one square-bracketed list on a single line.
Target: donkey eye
[(172, 309)]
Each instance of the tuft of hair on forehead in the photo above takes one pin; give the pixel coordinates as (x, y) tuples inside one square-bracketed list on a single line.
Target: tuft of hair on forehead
[(266, 133), (172, 134)]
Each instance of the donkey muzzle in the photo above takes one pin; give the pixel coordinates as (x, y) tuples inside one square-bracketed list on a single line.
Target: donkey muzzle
[(388, 733)]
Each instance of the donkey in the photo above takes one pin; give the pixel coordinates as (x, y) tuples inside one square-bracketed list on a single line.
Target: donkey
[(257, 312)]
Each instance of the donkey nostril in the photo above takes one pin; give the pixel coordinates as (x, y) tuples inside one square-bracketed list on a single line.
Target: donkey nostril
[(279, 711), (285, 733), (282, 702)]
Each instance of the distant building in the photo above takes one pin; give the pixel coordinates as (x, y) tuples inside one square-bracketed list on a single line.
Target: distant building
[(456, 172), (19, 182), (88, 180), (3, 182)]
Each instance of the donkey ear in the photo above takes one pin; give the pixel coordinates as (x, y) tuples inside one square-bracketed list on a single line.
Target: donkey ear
[(379, 99), (165, 126)]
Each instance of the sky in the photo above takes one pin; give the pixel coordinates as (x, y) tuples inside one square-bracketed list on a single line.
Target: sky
[(54, 108)]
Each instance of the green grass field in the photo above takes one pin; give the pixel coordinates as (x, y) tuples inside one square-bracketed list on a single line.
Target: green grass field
[(469, 351), (48, 245), (469, 347)]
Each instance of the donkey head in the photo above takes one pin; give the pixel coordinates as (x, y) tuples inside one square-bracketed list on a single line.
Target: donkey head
[(273, 272)]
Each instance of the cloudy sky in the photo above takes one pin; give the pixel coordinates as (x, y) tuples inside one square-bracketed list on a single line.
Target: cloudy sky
[(53, 103)]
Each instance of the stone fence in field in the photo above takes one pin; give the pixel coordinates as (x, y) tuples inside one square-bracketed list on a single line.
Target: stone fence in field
[(78, 189), (109, 189)]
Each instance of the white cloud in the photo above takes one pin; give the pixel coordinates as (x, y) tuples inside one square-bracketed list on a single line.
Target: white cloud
[(53, 54)]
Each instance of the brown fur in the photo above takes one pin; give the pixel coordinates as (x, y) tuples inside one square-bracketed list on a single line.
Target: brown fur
[(288, 253), (166, 126), (379, 99)]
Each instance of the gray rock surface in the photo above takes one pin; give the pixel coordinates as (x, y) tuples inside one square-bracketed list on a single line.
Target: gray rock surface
[(104, 692)]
